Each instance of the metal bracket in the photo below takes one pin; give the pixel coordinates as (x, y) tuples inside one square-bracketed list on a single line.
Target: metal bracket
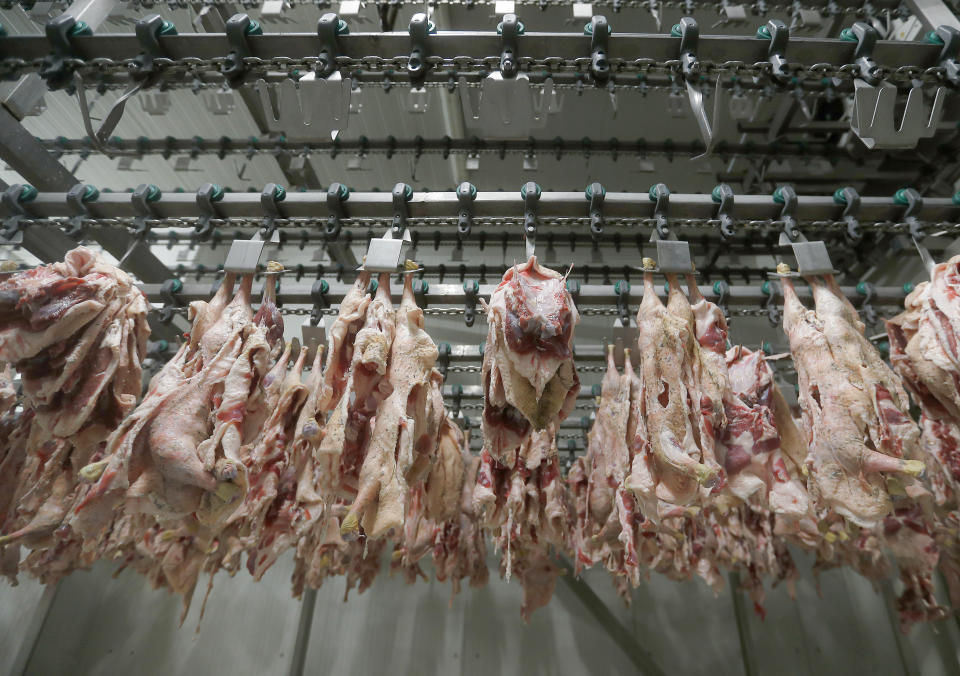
[(510, 28), (13, 199), (622, 289), (673, 257), (689, 33), (244, 254), (329, 27), (625, 335), (599, 31), (851, 198), (866, 37), (417, 66), (723, 195), (402, 194), (872, 115), (471, 290), (913, 202), (148, 31), (812, 258), (77, 198), (466, 194), (314, 335), (142, 200), (595, 194), (238, 27), (169, 291), (950, 37), (660, 194), (270, 200), (779, 35), (787, 196), (207, 195), (530, 192), (337, 194), (56, 70)]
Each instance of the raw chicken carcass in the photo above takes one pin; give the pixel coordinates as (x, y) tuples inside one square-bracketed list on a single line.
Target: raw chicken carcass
[(529, 379), (855, 410)]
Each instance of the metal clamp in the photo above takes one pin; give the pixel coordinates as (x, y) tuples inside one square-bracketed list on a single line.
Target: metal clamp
[(510, 28), (530, 192), (722, 289), (337, 194), (471, 290), (318, 293), (206, 196), (466, 194), (949, 37), (402, 194), (329, 27), (770, 305), (142, 200), (57, 70), (13, 200), (169, 291), (77, 198), (851, 198), (599, 31), (660, 194), (595, 194), (238, 27), (787, 196), (914, 203), (689, 33), (148, 31), (778, 34), (417, 66), (866, 37), (867, 290), (270, 200), (723, 196)]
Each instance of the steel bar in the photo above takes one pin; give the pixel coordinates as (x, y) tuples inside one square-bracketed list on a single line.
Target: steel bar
[(480, 45), (589, 295), (379, 205), (620, 635), (33, 619), (743, 625), (302, 643)]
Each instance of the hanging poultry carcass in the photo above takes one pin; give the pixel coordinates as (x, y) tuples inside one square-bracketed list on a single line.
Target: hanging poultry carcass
[(76, 332), (529, 379)]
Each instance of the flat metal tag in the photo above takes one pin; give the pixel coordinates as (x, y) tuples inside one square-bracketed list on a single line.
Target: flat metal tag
[(625, 336), (384, 254), (674, 257), (244, 254), (313, 336), (812, 258)]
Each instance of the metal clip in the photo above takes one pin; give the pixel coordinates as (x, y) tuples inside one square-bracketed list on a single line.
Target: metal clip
[(471, 290), (206, 196), (867, 290), (270, 200), (337, 194), (169, 291), (57, 69), (660, 194), (723, 196), (851, 198), (599, 31), (722, 289), (949, 37), (466, 194), (238, 28), (913, 202), (77, 198), (417, 66), (142, 200), (778, 34), (13, 200), (530, 192), (787, 196), (595, 194), (510, 28), (402, 194)]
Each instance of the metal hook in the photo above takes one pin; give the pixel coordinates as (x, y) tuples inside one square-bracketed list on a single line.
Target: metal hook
[(531, 200), (914, 203), (723, 195), (466, 194), (417, 66), (595, 194), (660, 194), (207, 195), (13, 199), (471, 290), (77, 198), (142, 199), (949, 37), (402, 194), (851, 198), (722, 289), (599, 31), (238, 28), (622, 289), (787, 196), (866, 37), (329, 27), (510, 28), (778, 34), (337, 194), (270, 198), (771, 290), (57, 69)]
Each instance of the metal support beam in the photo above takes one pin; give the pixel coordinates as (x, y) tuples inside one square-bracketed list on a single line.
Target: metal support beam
[(623, 637), (20, 150), (743, 625), (302, 643), (33, 618)]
